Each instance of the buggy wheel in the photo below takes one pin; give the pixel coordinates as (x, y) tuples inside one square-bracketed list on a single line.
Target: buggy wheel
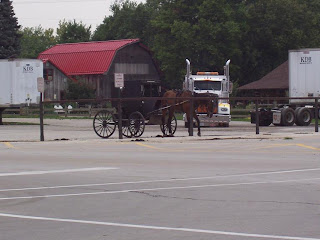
[(104, 124), (126, 131), (136, 124), (164, 128)]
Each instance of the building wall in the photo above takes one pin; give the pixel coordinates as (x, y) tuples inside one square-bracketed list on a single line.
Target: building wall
[(56, 85)]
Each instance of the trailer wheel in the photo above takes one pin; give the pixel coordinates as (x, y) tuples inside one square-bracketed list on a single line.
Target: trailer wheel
[(287, 116), (303, 117)]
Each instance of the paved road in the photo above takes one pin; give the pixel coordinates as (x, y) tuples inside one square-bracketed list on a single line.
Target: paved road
[(162, 188)]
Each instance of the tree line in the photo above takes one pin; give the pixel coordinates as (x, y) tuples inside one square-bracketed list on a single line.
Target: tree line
[(255, 34)]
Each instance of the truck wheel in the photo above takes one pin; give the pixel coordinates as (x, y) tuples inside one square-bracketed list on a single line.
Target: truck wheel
[(303, 117), (287, 116)]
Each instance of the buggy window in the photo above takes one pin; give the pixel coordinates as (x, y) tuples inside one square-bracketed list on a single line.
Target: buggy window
[(150, 90)]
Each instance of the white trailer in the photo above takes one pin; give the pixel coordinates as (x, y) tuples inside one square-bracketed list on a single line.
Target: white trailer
[(304, 81), (304, 74), (211, 82), (18, 79)]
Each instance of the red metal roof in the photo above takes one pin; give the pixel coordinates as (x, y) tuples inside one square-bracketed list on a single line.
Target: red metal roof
[(84, 58)]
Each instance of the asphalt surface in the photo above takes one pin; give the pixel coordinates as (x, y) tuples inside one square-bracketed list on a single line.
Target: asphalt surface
[(228, 184)]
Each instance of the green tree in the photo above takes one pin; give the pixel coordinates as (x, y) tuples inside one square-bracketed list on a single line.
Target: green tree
[(255, 34), (9, 36), (72, 32), (36, 40), (205, 31), (274, 28), (128, 20)]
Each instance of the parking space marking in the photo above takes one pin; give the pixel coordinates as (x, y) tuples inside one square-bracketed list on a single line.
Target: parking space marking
[(9, 145), (164, 180), (159, 189), (56, 171), (309, 147), (206, 150), (148, 146), (150, 227)]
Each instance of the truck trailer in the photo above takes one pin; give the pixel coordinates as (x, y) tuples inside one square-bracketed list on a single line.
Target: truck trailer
[(304, 82), (18, 79), (210, 82)]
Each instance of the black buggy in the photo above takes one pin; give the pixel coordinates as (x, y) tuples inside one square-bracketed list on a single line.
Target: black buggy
[(135, 114)]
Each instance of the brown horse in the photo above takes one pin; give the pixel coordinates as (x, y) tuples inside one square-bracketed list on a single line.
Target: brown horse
[(183, 105)]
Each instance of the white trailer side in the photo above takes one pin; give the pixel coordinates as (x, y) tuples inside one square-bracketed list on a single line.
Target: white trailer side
[(304, 74), (18, 79)]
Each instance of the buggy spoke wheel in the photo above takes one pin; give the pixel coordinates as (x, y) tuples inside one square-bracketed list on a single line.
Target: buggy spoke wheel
[(164, 128), (137, 124), (126, 131), (104, 124)]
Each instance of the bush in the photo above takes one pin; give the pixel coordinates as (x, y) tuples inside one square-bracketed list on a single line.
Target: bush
[(78, 90)]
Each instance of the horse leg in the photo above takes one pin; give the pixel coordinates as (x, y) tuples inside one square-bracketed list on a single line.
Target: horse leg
[(189, 121), (171, 112), (198, 123)]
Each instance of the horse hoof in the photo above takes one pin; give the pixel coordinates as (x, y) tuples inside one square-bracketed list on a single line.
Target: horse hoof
[(199, 134)]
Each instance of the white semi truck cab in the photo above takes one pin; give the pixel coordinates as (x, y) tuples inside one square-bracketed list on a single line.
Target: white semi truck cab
[(211, 82)]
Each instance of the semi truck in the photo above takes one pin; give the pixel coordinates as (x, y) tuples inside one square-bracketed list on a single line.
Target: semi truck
[(210, 82), (304, 82), (18, 79)]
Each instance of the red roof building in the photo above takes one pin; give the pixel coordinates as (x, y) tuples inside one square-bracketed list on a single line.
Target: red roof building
[(95, 64)]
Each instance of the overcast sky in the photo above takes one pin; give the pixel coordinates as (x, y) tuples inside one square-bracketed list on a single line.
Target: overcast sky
[(47, 13)]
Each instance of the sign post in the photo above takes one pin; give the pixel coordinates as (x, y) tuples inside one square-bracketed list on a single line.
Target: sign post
[(119, 83), (40, 85)]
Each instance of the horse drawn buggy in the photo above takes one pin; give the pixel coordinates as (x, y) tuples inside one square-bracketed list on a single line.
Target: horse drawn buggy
[(134, 114)]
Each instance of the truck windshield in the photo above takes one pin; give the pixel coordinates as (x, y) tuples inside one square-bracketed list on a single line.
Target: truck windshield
[(207, 85)]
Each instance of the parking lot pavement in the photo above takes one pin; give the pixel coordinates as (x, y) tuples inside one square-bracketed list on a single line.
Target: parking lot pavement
[(210, 190), (82, 129)]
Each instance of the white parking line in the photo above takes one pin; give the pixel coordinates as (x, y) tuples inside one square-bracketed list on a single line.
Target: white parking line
[(163, 180), (55, 171), (192, 230), (158, 189)]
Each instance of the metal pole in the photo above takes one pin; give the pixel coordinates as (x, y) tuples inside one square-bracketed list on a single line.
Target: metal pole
[(1, 110), (41, 119), (191, 117), (257, 117), (316, 115), (120, 119)]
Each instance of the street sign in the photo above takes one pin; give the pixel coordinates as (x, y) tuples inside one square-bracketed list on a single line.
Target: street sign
[(119, 80), (40, 84)]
